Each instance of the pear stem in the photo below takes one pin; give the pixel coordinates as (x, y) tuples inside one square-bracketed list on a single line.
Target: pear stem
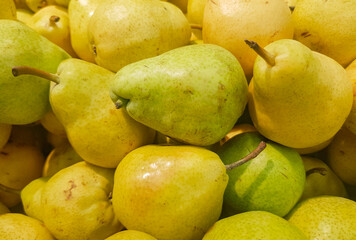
[(247, 158), (321, 171), (196, 26), (267, 56), (10, 190), (53, 19), (23, 70)]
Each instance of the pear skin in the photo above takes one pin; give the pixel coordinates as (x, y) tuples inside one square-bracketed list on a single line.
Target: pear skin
[(131, 235), (350, 122), (8, 9), (5, 131)]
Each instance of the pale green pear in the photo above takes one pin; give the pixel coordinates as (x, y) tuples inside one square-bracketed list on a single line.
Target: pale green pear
[(273, 181), (25, 99), (80, 100), (193, 94), (131, 235), (321, 180), (14, 226), (169, 192), (76, 203), (325, 218), (298, 97), (253, 225), (119, 35)]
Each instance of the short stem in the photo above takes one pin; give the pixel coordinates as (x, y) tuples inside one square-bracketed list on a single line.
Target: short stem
[(196, 26), (121, 102), (267, 56), (250, 156), (53, 19), (321, 171), (10, 190), (22, 70)]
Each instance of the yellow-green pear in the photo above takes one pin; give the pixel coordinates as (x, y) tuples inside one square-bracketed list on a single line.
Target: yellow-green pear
[(298, 97), (253, 225), (51, 123), (36, 5), (228, 23), (8, 9), (341, 156), (52, 22), (169, 192), (76, 203), (119, 35), (350, 122), (131, 235), (328, 27), (15, 226), (325, 218), (24, 15), (320, 180), (5, 131)]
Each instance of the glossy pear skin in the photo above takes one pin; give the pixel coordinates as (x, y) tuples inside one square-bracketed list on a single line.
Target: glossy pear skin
[(301, 101), (82, 104), (76, 203), (170, 192), (120, 36), (24, 99), (194, 94), (253, 225)]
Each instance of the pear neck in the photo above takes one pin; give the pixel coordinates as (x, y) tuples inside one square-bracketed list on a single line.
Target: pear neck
[(26, 70)]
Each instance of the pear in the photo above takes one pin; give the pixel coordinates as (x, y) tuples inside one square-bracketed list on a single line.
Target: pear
[(314, 149), (24, 15), (25, 100), (51, 123), (3, 209), (325, 217), (36, 5), (350, 122), (273, 181), (253, 225), (8, 9), (182, 4), (195, 14), (194, 94), (21, 4), (307, 114), (119, 35), (131, 235), (341, 156), (5, 131), (321, 180), (63, 3), (80, 100), (80, 12), (19, 226), (52, 22), (327, 27), (228, 23), (76, 203), (31, 135)]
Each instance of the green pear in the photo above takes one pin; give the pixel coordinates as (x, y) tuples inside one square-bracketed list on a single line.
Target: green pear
[(122, 32), (341, 156), (19, 226), (194, 94), (273, 181), (253, 225), (170, 192), (81, 102), (321, 180), (325, 218), (298, 97), (76, 203), (131, 235), (8, 9), (25, 100), (327, 27)]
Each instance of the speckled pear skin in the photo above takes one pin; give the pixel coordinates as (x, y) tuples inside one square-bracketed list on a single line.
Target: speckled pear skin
[(194, 94), (325, 218), (24, 99), (254, 225)]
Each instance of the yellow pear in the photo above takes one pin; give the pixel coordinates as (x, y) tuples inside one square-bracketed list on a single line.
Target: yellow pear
[(55, 140), (120, 36), (24, 15), (314, 149), (3, 209), (7, 9), (52, 22), (5, 131), (131, 235), (19, 226), (350, 122), (229, 22), (51, 123), (195, 13), (341, 155), (36, 5), (328, 27)]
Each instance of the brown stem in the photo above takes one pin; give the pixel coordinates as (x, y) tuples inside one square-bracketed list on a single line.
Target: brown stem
[(22, 70), (321, 171), (267, 56), (53, 19), (247, 158), (10, 190), (196, 26)]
